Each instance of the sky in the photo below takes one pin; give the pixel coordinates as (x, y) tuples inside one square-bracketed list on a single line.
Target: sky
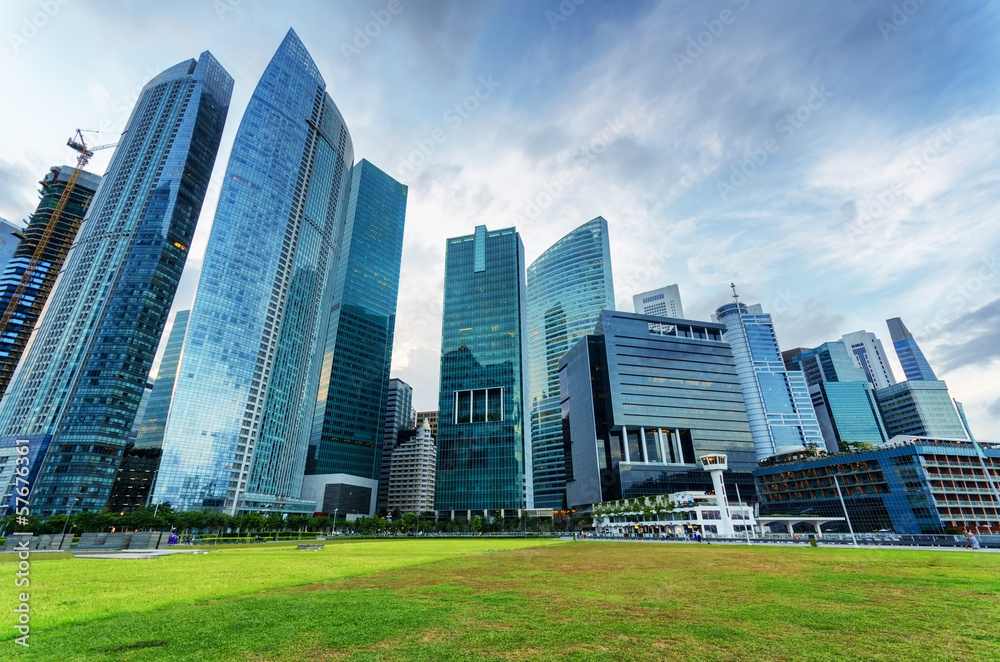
[(837, 161)]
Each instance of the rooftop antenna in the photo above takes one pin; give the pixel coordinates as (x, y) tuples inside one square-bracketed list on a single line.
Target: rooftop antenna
[(736, 297)]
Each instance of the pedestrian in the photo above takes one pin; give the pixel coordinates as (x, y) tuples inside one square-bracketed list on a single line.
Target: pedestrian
[(974, 539), (968, 539)]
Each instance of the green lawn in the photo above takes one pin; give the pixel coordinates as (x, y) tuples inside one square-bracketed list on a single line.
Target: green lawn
[(488, 599)]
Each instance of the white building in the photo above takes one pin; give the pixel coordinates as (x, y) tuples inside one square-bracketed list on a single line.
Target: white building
[(411, 473), (866, 350), (665, 302)]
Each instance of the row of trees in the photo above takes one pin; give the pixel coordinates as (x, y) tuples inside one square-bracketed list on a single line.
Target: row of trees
[(413, 523)]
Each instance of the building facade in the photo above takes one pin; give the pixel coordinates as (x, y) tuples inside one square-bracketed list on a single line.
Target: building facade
[(664, 302), (398, 410), (910, 485), (777, 400), (33, 263), (921, 409), (411, 474), (241, 414), (915, 366), (432, 420), (349, 425), (84, 374), (10, 237), (155, 419), (869, 355), (135, 479), (568, 286), (843, 399), (484, 436), (642, 400)]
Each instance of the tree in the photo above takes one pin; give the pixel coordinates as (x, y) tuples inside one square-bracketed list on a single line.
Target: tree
[(410, 522), (275, 522), (254, 522)]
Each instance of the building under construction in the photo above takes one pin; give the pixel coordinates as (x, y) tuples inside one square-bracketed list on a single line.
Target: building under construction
[(38, 259)]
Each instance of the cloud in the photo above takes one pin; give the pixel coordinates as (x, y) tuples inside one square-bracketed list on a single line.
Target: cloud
[(978, 339)]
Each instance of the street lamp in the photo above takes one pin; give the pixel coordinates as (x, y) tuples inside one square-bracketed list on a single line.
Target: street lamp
[(69, 512), (335, 511)]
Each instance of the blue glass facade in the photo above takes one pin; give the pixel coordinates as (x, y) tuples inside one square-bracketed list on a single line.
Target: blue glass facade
[(843, 399), (47, 239), (568, 286), (350, 419), (484, 443), (915, 366), (9, 242), (85, 372), (642, 400), (155, 417), (777, 399), (241, 415), (922, 408)]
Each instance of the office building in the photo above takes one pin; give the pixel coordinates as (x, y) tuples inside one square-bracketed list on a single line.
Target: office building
[(432, 420), (154, 422), (241, 415), (568, 286), (910, 485), (349, 425), (398, 409), (842, 398), (411, 474), (484, 435), (920, 409), (85, 372), (778, 406), (140, 413), (10, 237), (33, 263), (915, 366), (642, 400), (869, 355), (664, 302), (135, 479)]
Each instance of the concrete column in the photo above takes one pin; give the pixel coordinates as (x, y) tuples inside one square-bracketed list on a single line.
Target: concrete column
[(677, 446), (788, 526), (659, 444), (642, 446), (625, 443), (819, 531)]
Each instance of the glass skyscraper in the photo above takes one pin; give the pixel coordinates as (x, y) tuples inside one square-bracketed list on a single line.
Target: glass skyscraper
[(241, 415), (155, 418), (843, 399), (484, 440), (47, 240), (778, 407), (568, 286), (920, 408), (398, 416), (915, 366), (349, 424), (86, 370)]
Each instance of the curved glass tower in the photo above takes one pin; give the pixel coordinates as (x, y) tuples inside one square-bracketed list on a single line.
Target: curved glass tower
[(568, 287), (238, 429), (80, 383)]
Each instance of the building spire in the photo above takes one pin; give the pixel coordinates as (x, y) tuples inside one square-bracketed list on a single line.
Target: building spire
[(736, 297)]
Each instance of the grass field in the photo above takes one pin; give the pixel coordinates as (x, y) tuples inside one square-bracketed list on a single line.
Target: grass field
[(488, 599)]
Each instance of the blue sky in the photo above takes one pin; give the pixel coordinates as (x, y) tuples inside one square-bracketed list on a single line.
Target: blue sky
[(837, 160)]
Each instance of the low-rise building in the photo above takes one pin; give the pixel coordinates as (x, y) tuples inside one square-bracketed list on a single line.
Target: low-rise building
[(412, 472)]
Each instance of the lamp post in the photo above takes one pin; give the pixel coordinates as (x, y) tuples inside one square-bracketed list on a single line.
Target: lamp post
[(68, 513), (335, 511)]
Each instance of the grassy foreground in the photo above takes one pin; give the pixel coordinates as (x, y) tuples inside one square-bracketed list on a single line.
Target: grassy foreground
[(517, 600)]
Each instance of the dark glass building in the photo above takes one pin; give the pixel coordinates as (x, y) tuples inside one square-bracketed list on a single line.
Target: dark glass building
[(349, 425), (484, 441), (398, 417), (238, 429), (85, 373), (155, 417), (642, 399), (568, 286), (36, 261)]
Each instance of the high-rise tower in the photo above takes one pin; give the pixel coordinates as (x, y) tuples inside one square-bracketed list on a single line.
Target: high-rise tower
[(869, 355), (780, 412), (349, 424), (85, 373), (568, 286), (238, 429), (50, 233), (484, 439), (151, 429), (915, 366), (665, 302)]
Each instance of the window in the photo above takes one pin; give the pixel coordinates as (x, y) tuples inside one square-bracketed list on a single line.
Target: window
[(479, 405)]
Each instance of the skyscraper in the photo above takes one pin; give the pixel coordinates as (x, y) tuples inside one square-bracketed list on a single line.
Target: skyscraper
[(484, 439), (398, 409), (9, 239), (568, 286), (777, 400), (920, 408), (155, 419), (869, 355), (664, 302), (349, 424), (238, 429), (37, 260), (915, 366), (84, 375)]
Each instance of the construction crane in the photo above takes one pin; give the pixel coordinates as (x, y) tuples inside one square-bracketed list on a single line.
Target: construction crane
[(78, 144)]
